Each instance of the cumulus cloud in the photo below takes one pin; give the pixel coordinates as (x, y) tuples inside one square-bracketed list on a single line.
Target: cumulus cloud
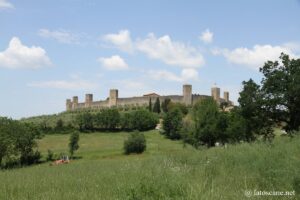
[(170, 52), (114, 62), (61, 36), (4, 4), (186, 75), (164, 75), (159, 48), (121, 40), (189, 74), (18, 55), (255, 57), (65, 85), (206, 36)]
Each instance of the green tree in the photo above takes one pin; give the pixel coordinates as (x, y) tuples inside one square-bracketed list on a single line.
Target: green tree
[(237, 127), (253, 111), (183, 108), (150, 105), (85, 121), (18, 141), (73, 142), (165, 104), (59, 125), (206, 119), (143, 120), (110, 118), (172, 124), (6, 142), (156, 107), (281, 88)]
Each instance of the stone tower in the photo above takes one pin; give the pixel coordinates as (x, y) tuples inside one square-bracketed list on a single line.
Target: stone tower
[(215, 93), (75, 102), (88, 100), (226, 96), (113, 97), (68, 105), (187, 94)]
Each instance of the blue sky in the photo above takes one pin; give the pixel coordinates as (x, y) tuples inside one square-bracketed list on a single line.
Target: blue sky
[(53, 50)]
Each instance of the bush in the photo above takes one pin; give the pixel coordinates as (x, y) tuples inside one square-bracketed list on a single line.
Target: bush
[(136, 143), (144, 120), (50, 155)]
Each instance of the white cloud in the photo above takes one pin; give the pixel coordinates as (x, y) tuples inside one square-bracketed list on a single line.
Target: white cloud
[(66, 85), (4, 4), (61, 36), (114, 62), (255, 57), (164, 75), (206, 36), (121, 40), (187, 74), (170, 52), (18, 55)]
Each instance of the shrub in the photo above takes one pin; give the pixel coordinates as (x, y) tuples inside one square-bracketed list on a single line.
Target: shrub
[(143, 120), (50, 155), (136, 143)]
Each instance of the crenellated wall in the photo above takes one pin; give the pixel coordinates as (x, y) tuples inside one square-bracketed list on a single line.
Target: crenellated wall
[(113, 100)]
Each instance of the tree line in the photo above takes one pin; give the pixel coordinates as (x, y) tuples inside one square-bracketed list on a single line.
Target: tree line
[(111, 120)]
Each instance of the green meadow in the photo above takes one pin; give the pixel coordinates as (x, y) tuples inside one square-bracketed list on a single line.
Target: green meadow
[(166, 170)]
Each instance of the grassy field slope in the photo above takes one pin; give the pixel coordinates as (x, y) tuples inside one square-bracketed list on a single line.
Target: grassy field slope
[(165, 171)]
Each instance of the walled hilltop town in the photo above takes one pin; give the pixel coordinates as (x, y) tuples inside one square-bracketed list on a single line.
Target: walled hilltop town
[(187, 98)]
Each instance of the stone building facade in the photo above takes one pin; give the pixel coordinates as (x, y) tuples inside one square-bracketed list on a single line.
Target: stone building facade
[(187, 98)]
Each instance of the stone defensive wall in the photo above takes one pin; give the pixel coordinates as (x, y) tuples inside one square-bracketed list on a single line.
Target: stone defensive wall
[(186, 98)]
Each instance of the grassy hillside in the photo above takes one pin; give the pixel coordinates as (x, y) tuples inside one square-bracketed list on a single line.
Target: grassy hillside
[(165, 171), (50, 120)]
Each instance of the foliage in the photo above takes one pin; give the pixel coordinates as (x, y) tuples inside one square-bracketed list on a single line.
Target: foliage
[(165, 105), (135, 143), (59, 125), (73, 142), (17, 142), (281, 90), (183, 108), (206, 117), (50, 155), (156, 107), (107, 119), (143, 120), (172, 123), (237, 127), (150, 105), (252, 109), (85, 121)]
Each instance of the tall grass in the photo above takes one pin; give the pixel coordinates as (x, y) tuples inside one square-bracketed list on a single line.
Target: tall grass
[(165, 171)]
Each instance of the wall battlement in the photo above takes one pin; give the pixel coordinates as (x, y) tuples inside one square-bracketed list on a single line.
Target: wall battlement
[(187, 98)]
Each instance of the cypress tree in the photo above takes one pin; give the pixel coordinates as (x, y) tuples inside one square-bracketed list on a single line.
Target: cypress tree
[(150, 105), (156, 107)]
